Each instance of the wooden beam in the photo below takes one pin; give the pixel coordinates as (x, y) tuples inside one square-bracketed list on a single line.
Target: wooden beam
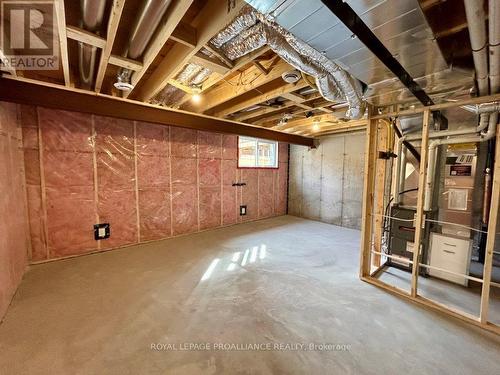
[(219, 55), (213, 64), (55, 96), (368, 186), (175, 13), (212, 18), (113, 22), (85, 36), (420, 215), (260, 112), (260, 67), (261, 98), (238, 64), (185, 34), (229, 91), (63, 42), (492, 229), (124, 62), (186, 89)]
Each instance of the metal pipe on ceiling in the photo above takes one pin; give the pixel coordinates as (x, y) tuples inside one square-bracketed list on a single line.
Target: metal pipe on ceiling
[(476, 20), (92, 15), (144, 29)]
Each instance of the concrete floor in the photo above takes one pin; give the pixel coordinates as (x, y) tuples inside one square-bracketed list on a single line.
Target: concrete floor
[(99, 314)]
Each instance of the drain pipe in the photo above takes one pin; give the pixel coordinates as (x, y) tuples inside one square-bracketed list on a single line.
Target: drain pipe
[(92, 15)]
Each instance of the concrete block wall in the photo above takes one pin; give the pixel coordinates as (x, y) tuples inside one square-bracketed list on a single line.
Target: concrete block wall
[(326, 183)]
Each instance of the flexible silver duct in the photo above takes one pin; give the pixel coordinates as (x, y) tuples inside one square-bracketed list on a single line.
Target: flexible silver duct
[(251, 30), (145, 26), (92, 15), (193, 75)]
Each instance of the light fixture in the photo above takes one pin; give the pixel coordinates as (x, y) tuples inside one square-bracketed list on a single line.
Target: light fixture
[(196, 97), (315, 126)]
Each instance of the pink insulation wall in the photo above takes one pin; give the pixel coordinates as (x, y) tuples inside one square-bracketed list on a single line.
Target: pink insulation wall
[(148, 181), (14, 237)]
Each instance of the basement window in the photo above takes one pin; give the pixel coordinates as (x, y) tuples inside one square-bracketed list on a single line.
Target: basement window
[(257, 153)]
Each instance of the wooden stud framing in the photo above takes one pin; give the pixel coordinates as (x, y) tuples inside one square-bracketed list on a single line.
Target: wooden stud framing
[(367, 210), (114, 20), (380, 177), (420, 218), (490, 241), (482, 320)]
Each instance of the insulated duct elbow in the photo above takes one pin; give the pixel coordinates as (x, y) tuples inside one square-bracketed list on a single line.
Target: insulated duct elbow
[(251, 30)]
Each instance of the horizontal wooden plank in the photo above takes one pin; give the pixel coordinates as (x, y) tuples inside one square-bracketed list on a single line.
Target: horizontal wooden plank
[(125, 62), (85, 36), (59, 97)]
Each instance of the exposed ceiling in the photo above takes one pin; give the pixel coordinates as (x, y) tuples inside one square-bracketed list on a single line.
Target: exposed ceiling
[(421, 35)]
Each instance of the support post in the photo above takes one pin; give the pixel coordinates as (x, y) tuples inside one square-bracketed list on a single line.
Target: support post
[(368, 188), (492, 227), (380, 179), (420, 216)]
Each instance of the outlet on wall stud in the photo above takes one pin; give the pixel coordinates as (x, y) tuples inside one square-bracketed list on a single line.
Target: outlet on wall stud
[(243, 210)]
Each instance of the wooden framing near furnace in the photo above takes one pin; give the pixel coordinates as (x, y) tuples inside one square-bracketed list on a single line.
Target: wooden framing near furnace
[(370, 232)]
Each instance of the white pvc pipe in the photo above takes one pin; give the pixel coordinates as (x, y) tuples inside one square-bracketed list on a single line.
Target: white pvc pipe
[(494, 37), (476, 21)]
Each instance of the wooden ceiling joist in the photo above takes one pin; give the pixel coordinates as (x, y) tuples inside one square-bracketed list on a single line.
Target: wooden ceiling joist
[(229, 91), (185, 34), (215, 79), (175, 13), (63, 42), (212, 18), (244, 116), (113, 22), (289, 87), (214, 64), (71, 99)]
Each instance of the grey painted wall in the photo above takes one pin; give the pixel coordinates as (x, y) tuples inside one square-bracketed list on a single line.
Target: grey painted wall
[(326, 183)]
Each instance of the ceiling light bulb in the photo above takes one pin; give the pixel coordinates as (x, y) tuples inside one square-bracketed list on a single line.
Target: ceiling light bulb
[(196, 98), (315, 126)]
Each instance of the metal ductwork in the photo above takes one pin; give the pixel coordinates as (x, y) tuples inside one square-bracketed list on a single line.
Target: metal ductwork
[(92, 15), (251, 30), (145, 26)]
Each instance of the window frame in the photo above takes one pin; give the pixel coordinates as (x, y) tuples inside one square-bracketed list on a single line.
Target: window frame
[(276, 166)]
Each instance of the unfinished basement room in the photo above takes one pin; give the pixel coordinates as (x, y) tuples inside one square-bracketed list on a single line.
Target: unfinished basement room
[(249, 187)]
